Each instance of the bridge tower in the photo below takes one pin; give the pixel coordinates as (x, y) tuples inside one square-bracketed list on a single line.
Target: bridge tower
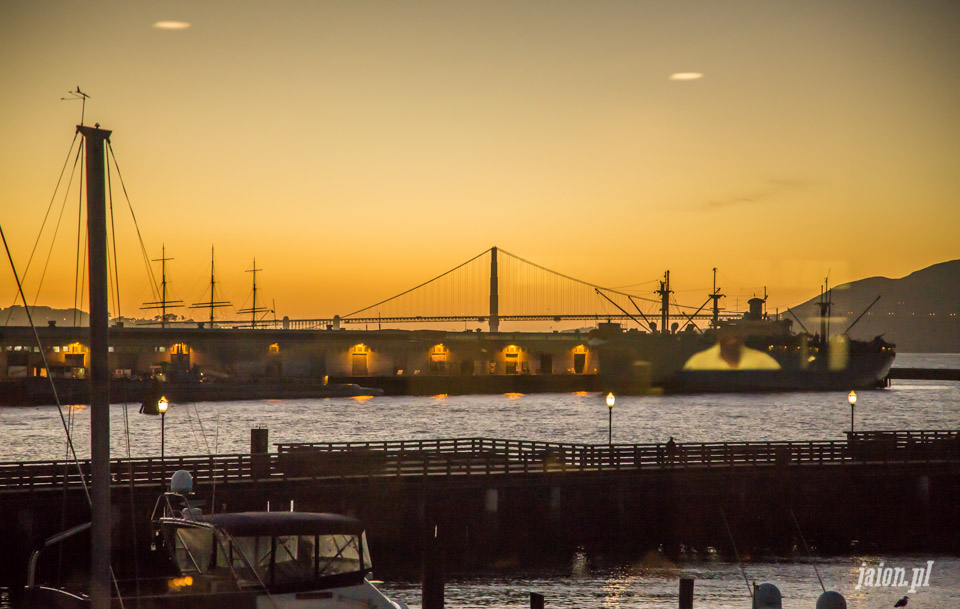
[(494, 292)]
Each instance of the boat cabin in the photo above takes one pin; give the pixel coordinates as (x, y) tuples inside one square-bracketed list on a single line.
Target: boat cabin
[(277, 551)]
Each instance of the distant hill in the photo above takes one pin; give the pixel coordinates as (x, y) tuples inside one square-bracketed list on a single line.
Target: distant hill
[(42, 316), (17, 316), (919, 312)]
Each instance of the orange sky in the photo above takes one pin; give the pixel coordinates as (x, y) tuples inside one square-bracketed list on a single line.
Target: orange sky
[(358, 148)]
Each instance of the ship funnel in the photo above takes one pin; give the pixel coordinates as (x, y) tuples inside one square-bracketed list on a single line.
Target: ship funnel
[(756, 309)]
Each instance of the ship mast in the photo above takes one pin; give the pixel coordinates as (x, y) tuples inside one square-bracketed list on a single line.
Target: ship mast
[(163, 303), (825, 304), (716, 296), (213, 304), (100, 519), (254, 309), (664, 293)]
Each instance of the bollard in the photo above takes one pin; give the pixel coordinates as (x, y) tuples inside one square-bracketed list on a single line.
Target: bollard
[(259, 447), (536, 601), (686, 593), (259, 444), (433, 578)]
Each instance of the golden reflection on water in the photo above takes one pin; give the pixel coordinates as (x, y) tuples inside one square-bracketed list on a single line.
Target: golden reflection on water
[(513, 396), (362, 398), (581, 393), (77, 406), (440, 396)]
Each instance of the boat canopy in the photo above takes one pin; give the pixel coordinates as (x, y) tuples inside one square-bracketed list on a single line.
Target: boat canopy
[(250, 524)]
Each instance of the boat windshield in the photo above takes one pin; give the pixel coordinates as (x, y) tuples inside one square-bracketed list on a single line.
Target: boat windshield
[(297, 559), (194, 549)]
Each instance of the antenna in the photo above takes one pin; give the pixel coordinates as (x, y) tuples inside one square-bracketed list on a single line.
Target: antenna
[(75, 95)]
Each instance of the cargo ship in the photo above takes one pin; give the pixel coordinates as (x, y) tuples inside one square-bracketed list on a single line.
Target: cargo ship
[(754, 353)]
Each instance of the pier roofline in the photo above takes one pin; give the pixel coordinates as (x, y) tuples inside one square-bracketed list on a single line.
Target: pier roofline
[(297, 354)]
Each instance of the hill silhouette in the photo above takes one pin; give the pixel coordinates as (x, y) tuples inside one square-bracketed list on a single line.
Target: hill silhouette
[(920, 313)]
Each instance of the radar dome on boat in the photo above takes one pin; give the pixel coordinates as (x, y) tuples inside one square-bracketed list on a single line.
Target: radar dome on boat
[(181, 482), (831, 600), (767, 596)]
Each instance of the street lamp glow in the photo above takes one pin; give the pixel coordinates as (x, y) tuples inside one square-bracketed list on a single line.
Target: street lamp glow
[(162, 404), (852, 398), (610, 402)]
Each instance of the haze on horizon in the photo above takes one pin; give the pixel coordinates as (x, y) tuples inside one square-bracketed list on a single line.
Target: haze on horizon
[(358, 149)]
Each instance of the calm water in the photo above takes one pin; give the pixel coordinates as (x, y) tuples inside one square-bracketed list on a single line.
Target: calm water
[(36, 433), (653, 584), (223, 427)]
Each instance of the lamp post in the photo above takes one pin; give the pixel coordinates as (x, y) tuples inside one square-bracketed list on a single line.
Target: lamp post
[(852, 398), (611, 400), (162, 405)]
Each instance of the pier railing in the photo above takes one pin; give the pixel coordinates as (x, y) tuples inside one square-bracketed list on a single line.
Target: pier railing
[(488, 457)]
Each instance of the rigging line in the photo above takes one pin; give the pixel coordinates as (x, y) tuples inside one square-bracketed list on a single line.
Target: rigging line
[(56, 229), (143, 250), (113, 238), (574, 279), (46, 216), (203, 434), (807, 548), (419, 286), (46, 366), (735, 553), (216, 451)]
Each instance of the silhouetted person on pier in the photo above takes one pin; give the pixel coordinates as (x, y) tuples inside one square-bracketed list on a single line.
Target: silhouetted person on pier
[(671, 450)]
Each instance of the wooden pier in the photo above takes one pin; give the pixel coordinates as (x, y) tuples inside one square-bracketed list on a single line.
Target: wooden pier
[(521, 502)]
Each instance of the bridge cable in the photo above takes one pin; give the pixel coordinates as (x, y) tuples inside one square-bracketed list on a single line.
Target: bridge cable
[(459, 266), (574, 279)]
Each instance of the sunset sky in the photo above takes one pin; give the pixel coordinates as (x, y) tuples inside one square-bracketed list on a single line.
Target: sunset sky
[(358, 148)]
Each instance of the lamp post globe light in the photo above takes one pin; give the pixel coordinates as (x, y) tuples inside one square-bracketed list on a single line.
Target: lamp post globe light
[(611, 400), (162, 404), (852, 398)]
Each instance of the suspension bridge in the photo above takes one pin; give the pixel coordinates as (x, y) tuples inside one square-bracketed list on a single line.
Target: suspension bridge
[(498, 286)]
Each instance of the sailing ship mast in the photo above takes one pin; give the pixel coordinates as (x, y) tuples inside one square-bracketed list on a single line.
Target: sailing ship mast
[(163, 303), (213, 304), (254, 309), (95, 140)]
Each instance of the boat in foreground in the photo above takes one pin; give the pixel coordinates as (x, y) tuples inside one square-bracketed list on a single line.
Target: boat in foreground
[(241, 560)]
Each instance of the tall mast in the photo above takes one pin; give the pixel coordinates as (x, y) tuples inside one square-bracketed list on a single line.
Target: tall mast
[(825, 304), (94, 140), (163, 303), (213, 304), (664, 293), (254, 309), (716, 296)]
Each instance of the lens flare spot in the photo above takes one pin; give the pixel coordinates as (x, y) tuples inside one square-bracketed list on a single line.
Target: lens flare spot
[(686, 76), (171, 25)]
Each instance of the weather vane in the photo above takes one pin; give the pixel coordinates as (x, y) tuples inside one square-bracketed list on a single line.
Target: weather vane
[(78, 94)]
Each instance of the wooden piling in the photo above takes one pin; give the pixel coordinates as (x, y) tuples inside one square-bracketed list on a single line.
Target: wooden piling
[(536, 601), (686, 593)]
